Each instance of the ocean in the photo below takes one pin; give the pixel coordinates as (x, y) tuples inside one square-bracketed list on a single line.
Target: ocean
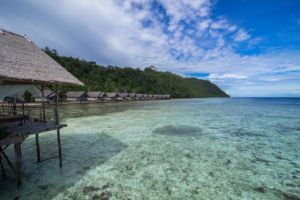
[(214, 148)]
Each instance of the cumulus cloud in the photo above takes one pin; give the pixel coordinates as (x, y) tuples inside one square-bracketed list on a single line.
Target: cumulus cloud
[(180, 36), (241, 35)]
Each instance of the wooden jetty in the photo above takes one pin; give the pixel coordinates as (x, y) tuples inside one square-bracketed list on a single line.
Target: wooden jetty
[(24, 67)]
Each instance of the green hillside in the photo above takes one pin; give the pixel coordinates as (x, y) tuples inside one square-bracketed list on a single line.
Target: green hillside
[(126, 79)]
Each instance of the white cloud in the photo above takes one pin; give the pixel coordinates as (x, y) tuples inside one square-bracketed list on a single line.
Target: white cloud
[(241, 35), (203, 25), (112, 33), (227, 76)]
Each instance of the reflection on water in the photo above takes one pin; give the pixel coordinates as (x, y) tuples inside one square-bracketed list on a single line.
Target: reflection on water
[(177, 149)]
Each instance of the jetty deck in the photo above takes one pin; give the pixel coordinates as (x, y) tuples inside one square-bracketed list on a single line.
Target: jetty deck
[(25, 67)]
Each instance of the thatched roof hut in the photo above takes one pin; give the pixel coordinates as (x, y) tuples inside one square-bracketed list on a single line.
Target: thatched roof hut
[(132, 95), (123, 95), (21, 61), (94, 96), (75, 94), (110, 94), (49, 95)]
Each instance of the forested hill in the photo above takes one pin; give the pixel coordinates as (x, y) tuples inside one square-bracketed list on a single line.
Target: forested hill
[(126, 79)]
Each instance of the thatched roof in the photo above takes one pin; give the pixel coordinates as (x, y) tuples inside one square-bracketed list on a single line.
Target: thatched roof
[(132, 95), (123, 95), (74, 94), (110, 94), (22, 61), (95, 94)]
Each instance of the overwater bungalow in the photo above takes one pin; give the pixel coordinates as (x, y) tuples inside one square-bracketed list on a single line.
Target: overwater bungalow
[(144, 96), (132, 96), (49, 96), (138, 96), (76, 96), (25, 67), (93, 96), (110, 96), (122, 96)]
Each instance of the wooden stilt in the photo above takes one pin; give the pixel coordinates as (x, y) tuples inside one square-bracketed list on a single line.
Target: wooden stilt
[(18, 165), (43, 105), (59, 148), (37, 143), (58, 130), (1, 163), (20, 151), (14, 106), (23, 109)]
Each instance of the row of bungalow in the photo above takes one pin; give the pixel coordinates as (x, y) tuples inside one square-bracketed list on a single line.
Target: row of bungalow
[(93, 96), (72, 96)]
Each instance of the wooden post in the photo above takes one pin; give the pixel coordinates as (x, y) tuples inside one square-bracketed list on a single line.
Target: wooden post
[(37, 143), (18, 165), (1, 163), (23, 108), (58, 131), (43, 105), (15, 112)]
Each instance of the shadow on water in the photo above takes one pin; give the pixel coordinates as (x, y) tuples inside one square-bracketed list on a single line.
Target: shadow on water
[(81, 153), (181, 131)]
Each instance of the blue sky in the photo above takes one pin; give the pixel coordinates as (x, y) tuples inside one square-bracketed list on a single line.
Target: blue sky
[(247, 47)]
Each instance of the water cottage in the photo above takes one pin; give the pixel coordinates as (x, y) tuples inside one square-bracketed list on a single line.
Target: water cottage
[(95, 96), (76, 96), (25, 67)]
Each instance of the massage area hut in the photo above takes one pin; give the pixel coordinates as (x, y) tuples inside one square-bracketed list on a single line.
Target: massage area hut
[(25, 67), (76, 96), (94, 96)]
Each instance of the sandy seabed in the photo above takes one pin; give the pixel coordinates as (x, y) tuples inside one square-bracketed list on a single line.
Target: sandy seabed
[(220, 148)]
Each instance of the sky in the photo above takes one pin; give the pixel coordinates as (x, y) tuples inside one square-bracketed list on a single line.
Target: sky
[(247, 47)]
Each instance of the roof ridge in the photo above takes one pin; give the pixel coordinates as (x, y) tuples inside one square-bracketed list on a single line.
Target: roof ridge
[(16, 34)]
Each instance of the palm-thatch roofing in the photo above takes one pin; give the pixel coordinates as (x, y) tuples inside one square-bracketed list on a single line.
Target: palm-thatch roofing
[(75, 94), (110, 94), (123, 95), (22, 61), (95, 94), (132, 95)]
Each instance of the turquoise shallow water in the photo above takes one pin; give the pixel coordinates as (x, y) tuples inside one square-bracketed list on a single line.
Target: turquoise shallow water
[(237, 148)]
